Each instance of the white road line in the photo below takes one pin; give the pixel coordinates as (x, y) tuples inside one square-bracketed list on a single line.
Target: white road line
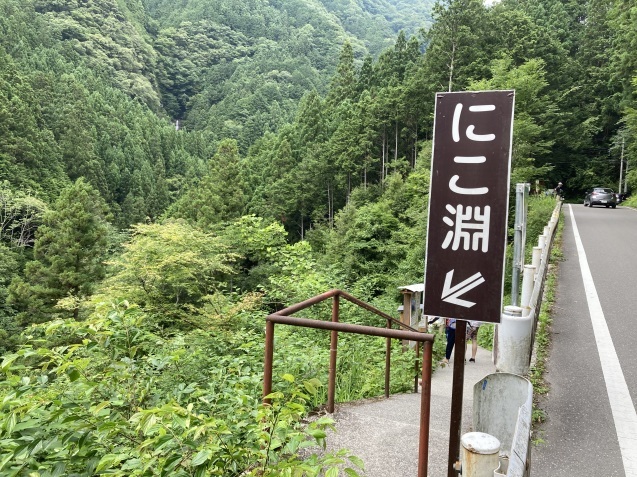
[(621, 404)]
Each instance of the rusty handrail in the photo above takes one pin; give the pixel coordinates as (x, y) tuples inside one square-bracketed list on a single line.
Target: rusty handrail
[(332, 293), (350, 328), (282, 317)]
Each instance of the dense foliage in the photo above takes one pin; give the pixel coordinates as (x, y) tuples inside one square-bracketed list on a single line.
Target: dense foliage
[(171, 173)]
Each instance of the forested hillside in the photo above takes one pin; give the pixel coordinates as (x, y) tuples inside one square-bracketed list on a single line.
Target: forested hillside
[(138, 259), (239, 68)]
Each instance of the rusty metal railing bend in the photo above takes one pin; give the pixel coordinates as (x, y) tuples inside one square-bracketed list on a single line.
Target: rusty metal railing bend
[(410, 334)]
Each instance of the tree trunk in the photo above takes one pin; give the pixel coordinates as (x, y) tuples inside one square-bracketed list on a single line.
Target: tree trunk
[(302, 227), (415, 144), (453, 55), (365, 176), (396, 142), (385, 151), (330, 204)]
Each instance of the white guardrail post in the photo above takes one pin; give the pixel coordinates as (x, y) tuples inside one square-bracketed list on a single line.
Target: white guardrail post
[(514, 341), (541, 242), (537, 258), (500, 445), (528, 281), (479, 454)]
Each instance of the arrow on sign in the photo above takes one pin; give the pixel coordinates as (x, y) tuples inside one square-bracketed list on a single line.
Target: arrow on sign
[(451, 294)]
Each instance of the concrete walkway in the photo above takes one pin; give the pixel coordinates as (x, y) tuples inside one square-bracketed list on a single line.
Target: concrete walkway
[(384, 432)]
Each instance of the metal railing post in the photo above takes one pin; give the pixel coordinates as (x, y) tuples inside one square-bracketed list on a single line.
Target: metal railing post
[(387, 360), (425, 409), (528, 279), (404, 333), (541, 242), (536, 260), (334, 326), (515, 341), (518, 240), (417, 366), (331, 390), (267, 365)]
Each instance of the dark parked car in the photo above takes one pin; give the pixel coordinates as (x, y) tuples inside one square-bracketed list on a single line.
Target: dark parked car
[(600, 196)]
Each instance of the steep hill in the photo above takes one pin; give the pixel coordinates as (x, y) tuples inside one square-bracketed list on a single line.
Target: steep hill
[(238, 68), (89, 87)]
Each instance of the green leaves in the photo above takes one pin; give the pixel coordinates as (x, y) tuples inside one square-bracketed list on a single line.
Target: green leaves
[(123, 401), (73, 374), (170, 266), (201, 457), (109, 461)]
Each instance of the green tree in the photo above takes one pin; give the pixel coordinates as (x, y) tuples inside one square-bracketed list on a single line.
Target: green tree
[(257, 242), (29, 156), (20, 216), (622, 21), (67, 255), (169, 268), (363, 245), (343, 84), (219, 196), (454, 42), (9, 327), (535, 112), (310, 120)]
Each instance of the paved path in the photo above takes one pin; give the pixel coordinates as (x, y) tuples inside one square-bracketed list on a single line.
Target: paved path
[(384, 432)]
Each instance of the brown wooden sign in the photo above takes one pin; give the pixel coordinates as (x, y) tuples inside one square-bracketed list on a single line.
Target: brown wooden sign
[(468, 205)]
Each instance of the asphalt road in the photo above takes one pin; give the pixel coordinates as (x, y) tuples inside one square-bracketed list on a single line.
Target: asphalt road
[(591, 427)]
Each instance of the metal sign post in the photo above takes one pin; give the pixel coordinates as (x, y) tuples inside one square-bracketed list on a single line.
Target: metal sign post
[(467, 224), (519, 238)]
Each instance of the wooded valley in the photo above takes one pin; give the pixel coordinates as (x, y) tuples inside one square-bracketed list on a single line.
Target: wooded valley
[(172, 172)]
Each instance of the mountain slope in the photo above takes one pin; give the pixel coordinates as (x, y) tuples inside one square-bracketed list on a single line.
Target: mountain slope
[(238, 68)]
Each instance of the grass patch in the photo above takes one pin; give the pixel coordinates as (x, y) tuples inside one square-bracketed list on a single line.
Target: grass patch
[(485, 336), (631, 201), (543, 332)]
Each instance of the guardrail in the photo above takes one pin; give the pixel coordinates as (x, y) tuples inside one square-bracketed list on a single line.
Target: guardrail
[(283, 317), (501, 445), (515, 336)]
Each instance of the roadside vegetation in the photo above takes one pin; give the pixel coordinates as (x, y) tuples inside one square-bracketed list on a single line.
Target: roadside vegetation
[(543, 337)]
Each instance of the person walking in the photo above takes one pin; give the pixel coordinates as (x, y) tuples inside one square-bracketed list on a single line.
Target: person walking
[(450, 332), (472, 334), (559, 191)]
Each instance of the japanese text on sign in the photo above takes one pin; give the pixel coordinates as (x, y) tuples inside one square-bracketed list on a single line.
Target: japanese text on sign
[(466, 235)]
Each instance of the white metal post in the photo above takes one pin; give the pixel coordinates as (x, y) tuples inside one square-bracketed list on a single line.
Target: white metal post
[(521, 192), (541, 241), (528, 279), (621, 167), (537, 258), (514, 341), (479, 454)]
